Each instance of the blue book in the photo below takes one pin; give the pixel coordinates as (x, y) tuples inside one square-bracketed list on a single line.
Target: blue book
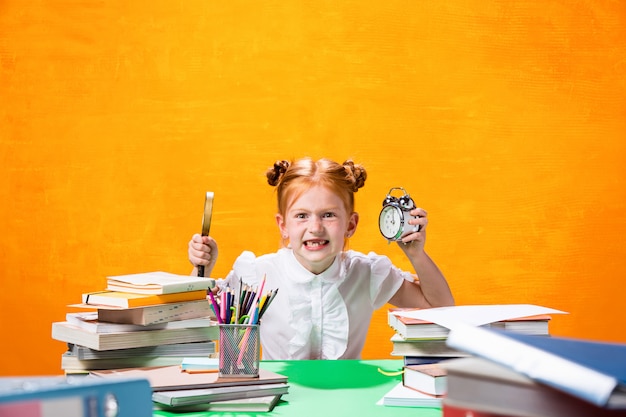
[(590, 370), (75, 396), (426, 360)]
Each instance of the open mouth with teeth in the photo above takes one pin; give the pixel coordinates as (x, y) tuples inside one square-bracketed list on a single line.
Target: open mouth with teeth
[(315, 243)]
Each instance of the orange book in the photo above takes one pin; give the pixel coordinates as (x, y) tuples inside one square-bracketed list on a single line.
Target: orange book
[(130, 300)]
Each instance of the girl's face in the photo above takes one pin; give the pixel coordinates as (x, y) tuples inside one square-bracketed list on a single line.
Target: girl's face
[(316, 224)]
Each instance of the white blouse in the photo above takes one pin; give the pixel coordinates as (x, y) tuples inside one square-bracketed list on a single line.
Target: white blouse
[(323, 316)]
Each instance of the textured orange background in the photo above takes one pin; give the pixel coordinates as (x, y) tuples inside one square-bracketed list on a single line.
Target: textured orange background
[(505, 120)]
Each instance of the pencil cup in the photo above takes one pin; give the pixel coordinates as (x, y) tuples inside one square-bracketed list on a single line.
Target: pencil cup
[(240, 350)]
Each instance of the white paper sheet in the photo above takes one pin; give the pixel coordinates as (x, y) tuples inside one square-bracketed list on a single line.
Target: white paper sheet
[(477, 315)]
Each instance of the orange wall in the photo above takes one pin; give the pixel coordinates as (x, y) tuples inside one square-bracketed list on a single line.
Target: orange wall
[(505, 120)]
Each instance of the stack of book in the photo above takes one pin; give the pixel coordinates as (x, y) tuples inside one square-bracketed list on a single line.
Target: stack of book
[(420, 341), (518, 375), (157, 320), (177, 391)]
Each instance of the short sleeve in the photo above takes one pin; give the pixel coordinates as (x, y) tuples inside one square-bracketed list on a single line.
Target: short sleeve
[(244, 268), (385, 280)]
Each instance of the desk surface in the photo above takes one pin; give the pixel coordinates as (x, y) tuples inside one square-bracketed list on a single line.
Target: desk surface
[(333, 388)]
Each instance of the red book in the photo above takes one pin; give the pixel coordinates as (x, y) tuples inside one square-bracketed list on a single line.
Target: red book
[(450, 410)]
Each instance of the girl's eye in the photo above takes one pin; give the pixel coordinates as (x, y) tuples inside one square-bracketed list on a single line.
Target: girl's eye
[(300, 216), (329, 214)]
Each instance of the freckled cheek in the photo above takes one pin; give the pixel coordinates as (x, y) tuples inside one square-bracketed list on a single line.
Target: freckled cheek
[(296, 228), (335, 229)]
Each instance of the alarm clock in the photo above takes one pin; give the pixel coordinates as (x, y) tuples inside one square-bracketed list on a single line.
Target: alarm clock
[(394, 216)]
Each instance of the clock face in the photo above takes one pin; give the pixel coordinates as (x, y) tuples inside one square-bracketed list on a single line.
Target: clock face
[(390, 222)]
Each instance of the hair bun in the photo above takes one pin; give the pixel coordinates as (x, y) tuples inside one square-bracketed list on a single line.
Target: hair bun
[(357, 172), (275, 173)]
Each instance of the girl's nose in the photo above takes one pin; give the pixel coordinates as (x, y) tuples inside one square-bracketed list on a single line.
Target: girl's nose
[(316, 225)]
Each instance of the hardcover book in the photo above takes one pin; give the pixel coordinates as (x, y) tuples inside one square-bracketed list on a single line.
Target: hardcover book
[(451, 409), (423, 347), (477, 315), (45, 396), (175, 349), (401, 396), (429, 378), (178, 398), (484, 388), (243, 405), (129, 300), (161, 313), (426, 360), (68, 333), (170, 378), (71, 363), (158, 283), (435, 323), (415, 329), (536, 325), (89, 321), (151, 314), (591, 370)]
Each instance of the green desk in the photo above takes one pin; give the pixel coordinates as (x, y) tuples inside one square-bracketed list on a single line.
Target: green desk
[(333, 388)]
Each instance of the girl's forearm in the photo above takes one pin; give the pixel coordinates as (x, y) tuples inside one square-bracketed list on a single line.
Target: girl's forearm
[(432, 282)]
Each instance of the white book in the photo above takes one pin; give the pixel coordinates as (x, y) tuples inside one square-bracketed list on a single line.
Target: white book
[(71, 362), (155, 314), (89, 321), (427, 378), (176, 350), (476, 315), (242, 405), (207, 395), (68, 333), (415, 329), (436, 348), (401, 396), (158, 283)]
